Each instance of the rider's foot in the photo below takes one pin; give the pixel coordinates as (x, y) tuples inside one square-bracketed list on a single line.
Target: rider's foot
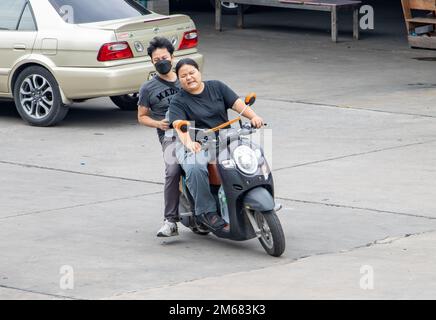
[(214, 221), (169, 229)]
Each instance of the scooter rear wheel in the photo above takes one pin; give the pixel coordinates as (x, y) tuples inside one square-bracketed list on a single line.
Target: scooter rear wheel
[(272, 237)]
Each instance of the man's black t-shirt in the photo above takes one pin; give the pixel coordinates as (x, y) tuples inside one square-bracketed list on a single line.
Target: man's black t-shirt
[(156, 94), (205, 110)]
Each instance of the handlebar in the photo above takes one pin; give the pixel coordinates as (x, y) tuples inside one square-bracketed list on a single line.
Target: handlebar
[(245, 130), (182, 126)]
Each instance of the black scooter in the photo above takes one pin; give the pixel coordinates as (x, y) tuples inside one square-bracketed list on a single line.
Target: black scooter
[(242, 184)]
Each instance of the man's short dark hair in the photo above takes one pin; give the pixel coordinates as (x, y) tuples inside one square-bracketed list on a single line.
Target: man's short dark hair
[(160, 43), (186, 61)]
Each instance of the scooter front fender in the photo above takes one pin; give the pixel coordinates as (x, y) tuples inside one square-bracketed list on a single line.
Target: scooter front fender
[(259, 199)]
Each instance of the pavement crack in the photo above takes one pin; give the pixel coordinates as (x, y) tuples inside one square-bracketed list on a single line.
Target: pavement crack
[(78, 205), (40, 293), (357, 208), (79, 173), (384, 241), (287, 262), (121, 294), (327, 105), (355, 155)]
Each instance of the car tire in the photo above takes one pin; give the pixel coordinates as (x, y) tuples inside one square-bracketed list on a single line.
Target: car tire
[(128, 102), (228, 7), (37, 97)]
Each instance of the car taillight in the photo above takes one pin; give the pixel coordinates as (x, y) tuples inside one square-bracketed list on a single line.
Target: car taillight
[(189, 40), (114, 51)]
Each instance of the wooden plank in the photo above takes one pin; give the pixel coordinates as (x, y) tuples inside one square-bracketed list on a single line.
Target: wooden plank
[(422, 20), (356, 27), (291, 4), (292, 1), (406, 9), (240, 22), (334, 2), (407, 13), (422, 42), (344, 3), (334, 24), (422, 4), (218, 15)]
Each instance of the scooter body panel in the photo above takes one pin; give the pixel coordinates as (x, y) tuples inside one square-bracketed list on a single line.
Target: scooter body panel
[(237, 186)]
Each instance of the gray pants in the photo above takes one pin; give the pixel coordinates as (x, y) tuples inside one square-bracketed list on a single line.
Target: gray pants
[(172, 179), (197, 178)]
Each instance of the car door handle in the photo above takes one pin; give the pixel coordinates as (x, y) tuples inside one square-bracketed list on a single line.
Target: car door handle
[(19, 47)]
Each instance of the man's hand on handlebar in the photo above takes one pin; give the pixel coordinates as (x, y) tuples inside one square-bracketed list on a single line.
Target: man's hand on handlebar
[(257, 122)]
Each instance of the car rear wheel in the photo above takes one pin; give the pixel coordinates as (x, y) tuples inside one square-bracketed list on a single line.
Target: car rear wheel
[(38, 98), (128, 102), (229, 7)]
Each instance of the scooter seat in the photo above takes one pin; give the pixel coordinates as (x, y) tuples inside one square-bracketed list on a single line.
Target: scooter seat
[(214, 176)]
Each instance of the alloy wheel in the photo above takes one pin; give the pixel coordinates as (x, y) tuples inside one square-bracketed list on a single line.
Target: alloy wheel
[(229, 5), (266, 233), (36, 96)]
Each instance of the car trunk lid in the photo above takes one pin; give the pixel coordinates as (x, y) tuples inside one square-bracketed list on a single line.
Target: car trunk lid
[(140, 30)]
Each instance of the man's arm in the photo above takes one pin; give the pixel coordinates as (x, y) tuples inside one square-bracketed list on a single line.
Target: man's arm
[(145, 119), (256, 121)]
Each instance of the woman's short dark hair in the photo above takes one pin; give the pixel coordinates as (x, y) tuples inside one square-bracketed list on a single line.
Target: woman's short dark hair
[(160, 43), (186, 61)]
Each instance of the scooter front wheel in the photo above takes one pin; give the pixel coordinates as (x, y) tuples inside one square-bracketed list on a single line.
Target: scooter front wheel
[(272, 237)]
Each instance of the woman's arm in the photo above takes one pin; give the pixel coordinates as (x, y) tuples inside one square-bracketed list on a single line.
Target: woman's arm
[(239, 106), (185, 138), (177, 116)]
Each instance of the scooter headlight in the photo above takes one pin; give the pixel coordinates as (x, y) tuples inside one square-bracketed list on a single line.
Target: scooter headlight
[(246, 159)]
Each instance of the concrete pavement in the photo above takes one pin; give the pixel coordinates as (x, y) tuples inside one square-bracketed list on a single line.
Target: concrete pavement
[(332, 277), (353, 128)]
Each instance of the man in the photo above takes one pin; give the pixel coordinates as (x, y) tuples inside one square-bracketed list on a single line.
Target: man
[(154, 99)]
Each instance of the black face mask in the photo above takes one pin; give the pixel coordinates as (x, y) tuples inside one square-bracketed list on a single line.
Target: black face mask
[(163, 66)]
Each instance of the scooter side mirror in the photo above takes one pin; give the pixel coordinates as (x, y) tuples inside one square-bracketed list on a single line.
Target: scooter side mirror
[(182, 126), (250, 99)]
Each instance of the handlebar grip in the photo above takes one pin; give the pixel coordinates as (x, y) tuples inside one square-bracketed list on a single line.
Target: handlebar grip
[(182, 126)]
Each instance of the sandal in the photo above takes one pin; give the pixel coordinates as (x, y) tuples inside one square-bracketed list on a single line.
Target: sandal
[(213, 221)]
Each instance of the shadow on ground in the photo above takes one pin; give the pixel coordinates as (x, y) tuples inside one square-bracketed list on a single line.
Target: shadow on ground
[(91, 114), (8, 110)]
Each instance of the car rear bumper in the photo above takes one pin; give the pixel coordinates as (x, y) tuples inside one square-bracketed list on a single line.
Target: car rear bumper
[(86, 83)]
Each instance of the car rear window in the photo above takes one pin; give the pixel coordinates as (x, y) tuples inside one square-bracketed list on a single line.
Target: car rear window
[(10, 13), (27, 23), (79, 11)]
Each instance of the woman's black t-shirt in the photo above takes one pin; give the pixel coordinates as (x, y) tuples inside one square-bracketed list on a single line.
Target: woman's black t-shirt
[(205, 110)]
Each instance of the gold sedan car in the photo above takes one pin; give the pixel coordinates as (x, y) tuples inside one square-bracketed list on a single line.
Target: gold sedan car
[(56, 52)]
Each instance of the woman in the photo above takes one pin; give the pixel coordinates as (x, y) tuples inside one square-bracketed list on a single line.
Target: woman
[(205, 104)]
